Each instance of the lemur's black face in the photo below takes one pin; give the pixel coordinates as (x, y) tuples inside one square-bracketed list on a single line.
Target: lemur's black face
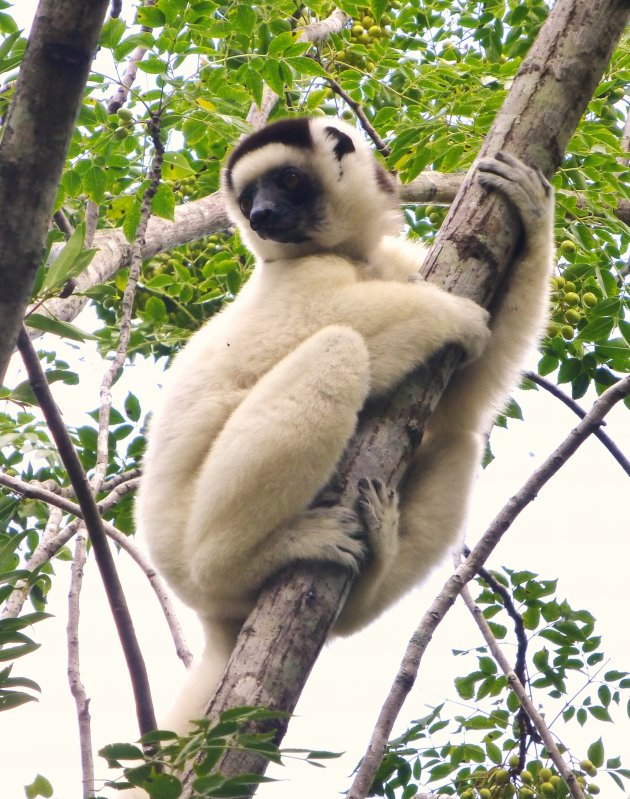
[(282, 205)]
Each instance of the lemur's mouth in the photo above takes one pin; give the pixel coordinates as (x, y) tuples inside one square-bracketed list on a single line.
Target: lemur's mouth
[(281, 235)]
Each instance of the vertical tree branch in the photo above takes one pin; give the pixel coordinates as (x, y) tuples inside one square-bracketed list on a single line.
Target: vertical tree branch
[(77, 689)]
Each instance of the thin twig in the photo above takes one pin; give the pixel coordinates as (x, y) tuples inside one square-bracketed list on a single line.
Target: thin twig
[(119, 98), (63, 223), (94, 524), (367, 126), (77, 689), (519, 689), (417, 646), (579, 411), (135, 268)]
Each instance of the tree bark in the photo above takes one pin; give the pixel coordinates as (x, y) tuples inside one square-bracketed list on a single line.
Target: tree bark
[(471, 254), (35, 139)]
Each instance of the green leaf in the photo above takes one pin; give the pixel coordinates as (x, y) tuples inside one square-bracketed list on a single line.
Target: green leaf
[(112, 32), (132, 407), (163, 202), (164, 786), (71, 260), (57, 327), (280, 43), (132, 220), (95, 182), (153, 66), (596, 753), (272, 75), (175, 167), (494, 753), (155, 309), (600, 713), (121, 751), (150, 17), (598, 329), (39, 787), (243, 18)]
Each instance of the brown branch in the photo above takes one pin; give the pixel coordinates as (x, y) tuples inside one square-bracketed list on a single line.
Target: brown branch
[(408, 671), (365, 123), (579, 411), (33, 147), (526, 703), (94, 525), (62, 222), (77, 689), (527, 732)]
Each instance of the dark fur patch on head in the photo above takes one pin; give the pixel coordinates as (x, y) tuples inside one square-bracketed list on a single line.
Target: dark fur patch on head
[(293, 132), (384, 179), (344, 144)]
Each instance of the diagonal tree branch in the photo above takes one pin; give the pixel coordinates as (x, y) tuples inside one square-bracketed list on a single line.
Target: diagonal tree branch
[(94, 525)]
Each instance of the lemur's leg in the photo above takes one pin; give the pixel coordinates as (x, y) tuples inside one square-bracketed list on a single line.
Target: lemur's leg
[(279, 447)]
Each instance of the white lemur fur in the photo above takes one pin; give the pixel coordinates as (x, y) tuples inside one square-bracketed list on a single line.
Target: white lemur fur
[(262, 401)]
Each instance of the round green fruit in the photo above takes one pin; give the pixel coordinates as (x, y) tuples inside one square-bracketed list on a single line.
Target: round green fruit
[(526, 776), (514, 761), (593, 788), (125, 115), (545, 774), (588, 767), (572, 316), (484, 793), (367, 22), (567, 247), (571, 298), (569, 286), (501, 776), (589, 299), (566, 331), (525, 793), (121, 133), (547, 790)]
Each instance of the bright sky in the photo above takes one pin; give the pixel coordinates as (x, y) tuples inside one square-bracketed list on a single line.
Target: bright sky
[(577, 531)]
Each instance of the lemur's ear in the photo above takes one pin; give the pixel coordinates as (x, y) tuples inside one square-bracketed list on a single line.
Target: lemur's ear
[(343, 143)]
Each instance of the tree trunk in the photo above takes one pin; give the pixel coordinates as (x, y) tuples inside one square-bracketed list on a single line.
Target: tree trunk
[(286, 630), (35, 139)]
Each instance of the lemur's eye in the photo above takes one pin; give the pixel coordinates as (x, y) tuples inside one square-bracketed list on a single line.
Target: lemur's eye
[(290, 179), (245, 203)]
